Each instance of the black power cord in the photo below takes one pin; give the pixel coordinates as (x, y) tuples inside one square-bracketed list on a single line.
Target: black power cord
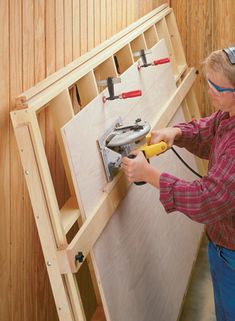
[(183, 161)]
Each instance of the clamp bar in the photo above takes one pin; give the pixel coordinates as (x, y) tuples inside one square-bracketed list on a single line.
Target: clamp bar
[(104, 82), (142, 54)]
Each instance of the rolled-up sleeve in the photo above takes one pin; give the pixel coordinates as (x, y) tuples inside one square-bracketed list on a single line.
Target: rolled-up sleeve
[(197, 135), (167, 183), (206, 200)]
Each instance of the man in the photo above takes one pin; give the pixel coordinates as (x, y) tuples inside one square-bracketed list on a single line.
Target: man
[(211, 199)]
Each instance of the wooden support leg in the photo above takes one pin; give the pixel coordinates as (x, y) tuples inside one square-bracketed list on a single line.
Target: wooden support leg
[(41, 215)]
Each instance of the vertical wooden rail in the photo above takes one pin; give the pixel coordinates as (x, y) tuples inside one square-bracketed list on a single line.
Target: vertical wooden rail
[(47, 215), (5, 189), (41, 215)]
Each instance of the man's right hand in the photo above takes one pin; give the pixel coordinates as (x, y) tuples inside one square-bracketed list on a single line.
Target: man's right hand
[(168, 135)]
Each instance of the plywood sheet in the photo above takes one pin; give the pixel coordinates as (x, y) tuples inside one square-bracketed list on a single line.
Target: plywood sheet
[(157, 85), (144, 257)]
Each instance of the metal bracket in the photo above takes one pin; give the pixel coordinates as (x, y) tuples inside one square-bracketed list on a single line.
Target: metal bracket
[(119, 141), (142, 54), (111, 159)]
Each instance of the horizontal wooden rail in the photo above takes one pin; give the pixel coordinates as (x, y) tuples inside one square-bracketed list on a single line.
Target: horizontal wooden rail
[(41, 94), (30, 93)]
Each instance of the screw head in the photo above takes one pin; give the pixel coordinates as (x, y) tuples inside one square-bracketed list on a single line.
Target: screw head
[(79, 257)]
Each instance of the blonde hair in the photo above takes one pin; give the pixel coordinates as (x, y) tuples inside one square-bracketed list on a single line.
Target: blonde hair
[(218, 62)]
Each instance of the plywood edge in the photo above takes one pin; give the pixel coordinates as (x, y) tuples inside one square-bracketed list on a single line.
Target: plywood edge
[(191, 274), (175, 100)]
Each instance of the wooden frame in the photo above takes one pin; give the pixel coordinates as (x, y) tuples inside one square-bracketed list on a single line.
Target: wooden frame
[(53, 223)]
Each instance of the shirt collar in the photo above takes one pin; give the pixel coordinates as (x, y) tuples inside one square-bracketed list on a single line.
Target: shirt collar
[(226, 120)]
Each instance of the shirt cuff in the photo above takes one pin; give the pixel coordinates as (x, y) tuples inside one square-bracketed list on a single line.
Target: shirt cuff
[(167, 182), (185, 137)]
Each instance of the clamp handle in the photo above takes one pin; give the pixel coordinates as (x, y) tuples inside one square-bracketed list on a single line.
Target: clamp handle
[(126, 95), (161, 61), (131, 94)]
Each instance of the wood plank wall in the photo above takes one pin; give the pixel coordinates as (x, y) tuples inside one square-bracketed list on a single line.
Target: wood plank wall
[(38, 38), (204, 25)]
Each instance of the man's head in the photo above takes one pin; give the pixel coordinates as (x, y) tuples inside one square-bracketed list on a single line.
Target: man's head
[(220, 74), (220, 61)]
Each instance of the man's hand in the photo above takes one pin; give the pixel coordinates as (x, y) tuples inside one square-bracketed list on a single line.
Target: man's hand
[(138, 169), (168, 135)]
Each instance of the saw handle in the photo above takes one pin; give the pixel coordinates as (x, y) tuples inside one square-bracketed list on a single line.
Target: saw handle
[(134, 156), (153, 149), (150, 151)]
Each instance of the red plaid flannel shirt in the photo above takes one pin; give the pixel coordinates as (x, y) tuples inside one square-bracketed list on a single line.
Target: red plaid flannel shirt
[(210, 200)]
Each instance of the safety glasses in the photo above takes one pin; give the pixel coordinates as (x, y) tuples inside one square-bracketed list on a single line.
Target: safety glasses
[(218, 89)]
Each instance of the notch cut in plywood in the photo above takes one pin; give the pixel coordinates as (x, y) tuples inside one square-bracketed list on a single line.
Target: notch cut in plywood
[(124, 59), (87, 81), (137, 44), (151, 37), (105, 70)]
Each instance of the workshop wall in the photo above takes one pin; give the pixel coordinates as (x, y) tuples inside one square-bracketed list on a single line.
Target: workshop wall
[(204, 25), (38, 38)]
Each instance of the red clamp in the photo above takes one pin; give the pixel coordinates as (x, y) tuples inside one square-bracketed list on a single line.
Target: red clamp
[(130, 94), (110, 83), (142, 54), (161, 61)]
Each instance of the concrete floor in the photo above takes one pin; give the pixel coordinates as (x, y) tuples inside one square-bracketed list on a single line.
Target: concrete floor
[(199, 302)]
